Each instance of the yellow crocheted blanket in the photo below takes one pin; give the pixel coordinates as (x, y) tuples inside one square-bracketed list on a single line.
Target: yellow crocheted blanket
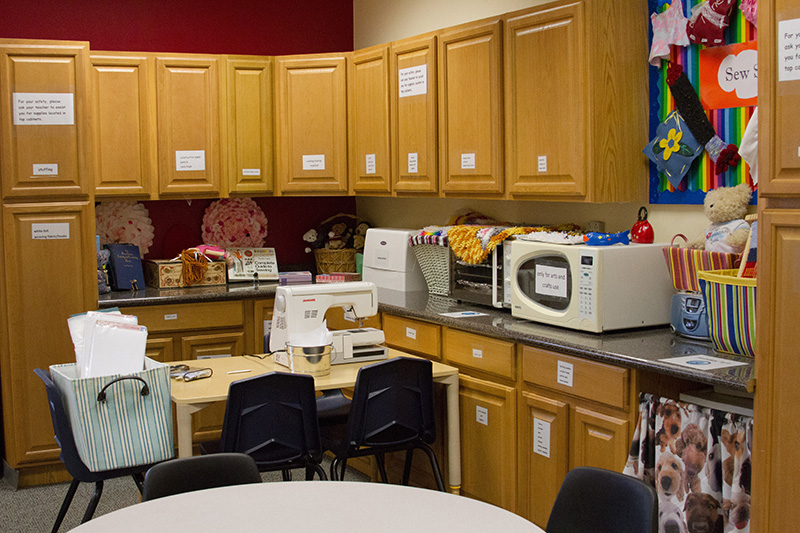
[(473, 244)]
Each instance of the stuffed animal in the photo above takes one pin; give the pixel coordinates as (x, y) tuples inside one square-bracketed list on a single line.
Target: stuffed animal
[(726, 208), (314, 239)]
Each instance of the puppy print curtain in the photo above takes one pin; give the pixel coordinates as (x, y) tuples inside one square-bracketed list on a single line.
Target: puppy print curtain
[(698, 459)]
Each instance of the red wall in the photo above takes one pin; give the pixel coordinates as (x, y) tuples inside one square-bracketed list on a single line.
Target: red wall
[(265, 27)]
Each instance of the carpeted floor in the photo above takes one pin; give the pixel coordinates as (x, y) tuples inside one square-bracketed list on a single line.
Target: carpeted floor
[(34, 509)]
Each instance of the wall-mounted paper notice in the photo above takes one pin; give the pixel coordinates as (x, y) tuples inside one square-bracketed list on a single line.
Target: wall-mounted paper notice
[(541, 437), (370, 163), (789, 50), (190, 160), (467, 161), (413, 80), (412, 163), (44, 109), (314, 162), (45, 170), (251, 172), (50, 231)]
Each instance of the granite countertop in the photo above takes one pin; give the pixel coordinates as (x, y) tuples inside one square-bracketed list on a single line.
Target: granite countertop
[(642, 348)]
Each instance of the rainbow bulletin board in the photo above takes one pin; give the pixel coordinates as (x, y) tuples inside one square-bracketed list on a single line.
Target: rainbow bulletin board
[(729, 124)]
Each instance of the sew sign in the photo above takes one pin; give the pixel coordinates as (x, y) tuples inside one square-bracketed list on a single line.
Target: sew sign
[(729, 76)]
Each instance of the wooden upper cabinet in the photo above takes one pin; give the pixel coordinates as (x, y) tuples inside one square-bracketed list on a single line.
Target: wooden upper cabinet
[(546, 103), (123, 105), (413, 124), (368, 120), (188, 100), (249, 124), (779, 109), (44, 119), (471, 108), (311, 125), (576, 102)]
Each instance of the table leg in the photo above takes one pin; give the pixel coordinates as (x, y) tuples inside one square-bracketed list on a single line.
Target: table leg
[(453, 434), (183, 413)]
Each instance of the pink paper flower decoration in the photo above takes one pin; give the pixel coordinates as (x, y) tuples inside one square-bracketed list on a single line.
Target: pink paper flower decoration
[(124, 222), (234, 223)]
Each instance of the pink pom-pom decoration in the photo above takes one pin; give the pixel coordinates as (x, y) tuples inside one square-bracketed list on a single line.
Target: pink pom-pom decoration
[(124, 222), (234, 223)]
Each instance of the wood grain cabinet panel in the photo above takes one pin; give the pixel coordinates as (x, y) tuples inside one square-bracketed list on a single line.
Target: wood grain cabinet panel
[(413, 336), (45, 281), (574, 132), (189, 139), (45, 135), (249, 124), (480, 353), (470, 61), (311, 106), (488, 441), (123, 106), (414, 115), (368, 121)]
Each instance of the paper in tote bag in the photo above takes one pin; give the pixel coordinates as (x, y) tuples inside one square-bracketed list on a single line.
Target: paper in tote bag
[(130, 425)]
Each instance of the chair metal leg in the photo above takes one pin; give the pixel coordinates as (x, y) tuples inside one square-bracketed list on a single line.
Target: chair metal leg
[(310, 469), (437, 473), (287, 475), (65, 504), (335, 468), (98, 491), (407, 467), (139, 480), (381, 459)]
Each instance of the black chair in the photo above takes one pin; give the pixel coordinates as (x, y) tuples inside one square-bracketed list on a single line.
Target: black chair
[(595, 499), (273, 419), (391, 410), (199, 472), (72, 461)]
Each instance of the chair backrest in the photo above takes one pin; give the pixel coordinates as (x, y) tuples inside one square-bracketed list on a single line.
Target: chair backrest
[(272, 418), (595, 499), (63, 430), (392, 403), (199, 472)]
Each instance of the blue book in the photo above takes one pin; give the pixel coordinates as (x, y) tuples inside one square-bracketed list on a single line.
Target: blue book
[(125, 267)]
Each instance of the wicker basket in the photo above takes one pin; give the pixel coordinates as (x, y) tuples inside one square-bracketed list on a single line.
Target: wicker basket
[(342, 260), (436, 264)]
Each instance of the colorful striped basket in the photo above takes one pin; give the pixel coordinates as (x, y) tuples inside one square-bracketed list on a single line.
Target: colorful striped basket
[(685, 263), (731, 307)]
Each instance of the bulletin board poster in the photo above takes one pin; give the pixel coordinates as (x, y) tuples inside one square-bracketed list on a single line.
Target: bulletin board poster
[(711, 71)]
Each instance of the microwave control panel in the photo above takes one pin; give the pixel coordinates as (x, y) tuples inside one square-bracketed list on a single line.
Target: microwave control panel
[(586, 287)]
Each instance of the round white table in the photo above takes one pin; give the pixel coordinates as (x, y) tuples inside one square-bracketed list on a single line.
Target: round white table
[(311, 506)]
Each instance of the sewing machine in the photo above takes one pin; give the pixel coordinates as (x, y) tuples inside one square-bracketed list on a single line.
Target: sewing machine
[(301, 309)]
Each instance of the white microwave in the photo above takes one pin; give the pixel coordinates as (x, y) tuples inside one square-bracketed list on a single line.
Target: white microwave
[(590, 288)]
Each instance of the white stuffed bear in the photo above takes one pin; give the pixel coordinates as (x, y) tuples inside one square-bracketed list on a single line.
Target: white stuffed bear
[(726, 208)]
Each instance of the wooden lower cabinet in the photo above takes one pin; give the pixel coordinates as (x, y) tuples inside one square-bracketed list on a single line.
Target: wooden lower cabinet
[(488, 441), (191, 332)]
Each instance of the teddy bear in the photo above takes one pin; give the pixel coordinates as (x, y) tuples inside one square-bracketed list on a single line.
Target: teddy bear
[(726, 208), (314, 239)]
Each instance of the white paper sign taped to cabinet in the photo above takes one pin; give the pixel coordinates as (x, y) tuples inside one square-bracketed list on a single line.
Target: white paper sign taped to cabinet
[(44, 109), (413, 81)]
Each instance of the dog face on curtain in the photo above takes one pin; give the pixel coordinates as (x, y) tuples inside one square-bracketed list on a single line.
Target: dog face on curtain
[(698, 459)]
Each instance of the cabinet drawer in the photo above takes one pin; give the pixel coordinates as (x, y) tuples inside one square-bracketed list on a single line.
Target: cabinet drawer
[(181, 317), (413, 335), (594, 381), (478, 352)]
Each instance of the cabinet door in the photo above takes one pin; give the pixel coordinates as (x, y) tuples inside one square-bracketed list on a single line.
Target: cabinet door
[(543, 454), (44, 119), (311, 95), (471, 108), (368, 120), (598, 440), (413, 336), (546, 129), (207, 423), (488, 442), (160, 349), (778, 103), (413, 86), (188, 125), (49, 273), (250, 119), (124, 139)]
